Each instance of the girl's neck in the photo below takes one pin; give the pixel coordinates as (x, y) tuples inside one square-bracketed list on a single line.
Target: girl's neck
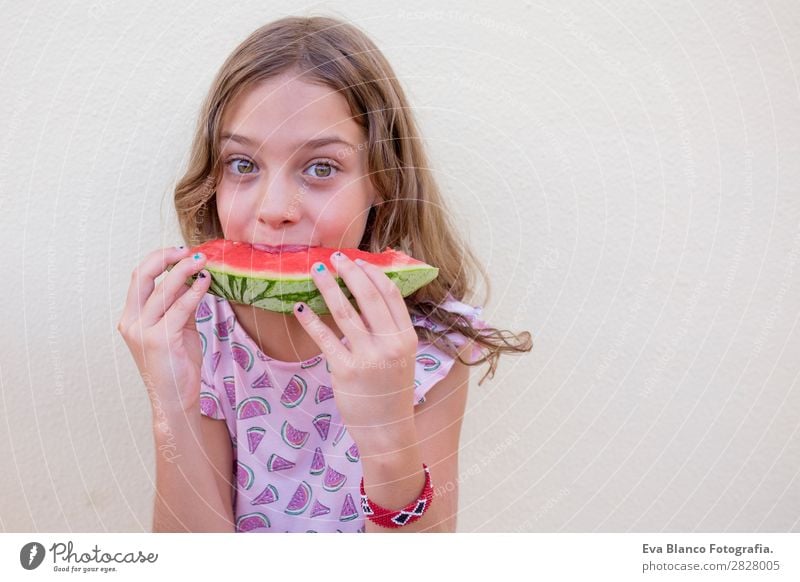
[(279, 335)]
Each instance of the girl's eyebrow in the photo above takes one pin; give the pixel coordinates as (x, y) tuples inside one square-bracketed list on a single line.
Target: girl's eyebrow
[(310, 144)]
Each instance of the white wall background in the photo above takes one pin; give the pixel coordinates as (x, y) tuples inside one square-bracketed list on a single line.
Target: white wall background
[(627, 170)]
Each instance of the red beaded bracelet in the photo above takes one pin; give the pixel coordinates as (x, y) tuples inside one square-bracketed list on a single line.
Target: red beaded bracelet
[(409, 514)]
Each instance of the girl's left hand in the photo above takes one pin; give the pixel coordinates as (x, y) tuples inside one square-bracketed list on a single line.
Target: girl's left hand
[(373, 380)]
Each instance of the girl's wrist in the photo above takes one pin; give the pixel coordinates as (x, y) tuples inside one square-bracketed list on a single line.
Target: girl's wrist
[(166, 414), (385, 440)]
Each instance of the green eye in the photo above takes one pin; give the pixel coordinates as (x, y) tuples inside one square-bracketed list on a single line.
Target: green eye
[(324, 169), (238, 165)]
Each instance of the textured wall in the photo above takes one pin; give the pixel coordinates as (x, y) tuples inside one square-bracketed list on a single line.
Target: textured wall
[(627, 171)]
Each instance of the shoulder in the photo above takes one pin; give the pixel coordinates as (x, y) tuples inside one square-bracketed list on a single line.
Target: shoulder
[(437, 367)]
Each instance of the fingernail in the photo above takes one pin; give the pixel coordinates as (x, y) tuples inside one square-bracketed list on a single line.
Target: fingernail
[(202, 275), (337, 256), (359, 262), (180, 248), (300, 307), (197, 256), (319, 267)]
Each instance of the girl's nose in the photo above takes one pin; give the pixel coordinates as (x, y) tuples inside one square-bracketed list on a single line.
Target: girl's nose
[(281, 202)]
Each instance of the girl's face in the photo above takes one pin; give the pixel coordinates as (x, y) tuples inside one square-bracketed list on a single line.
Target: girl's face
[(280, 188)]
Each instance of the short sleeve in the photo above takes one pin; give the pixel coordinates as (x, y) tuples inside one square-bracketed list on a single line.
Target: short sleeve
[(433, 364), (211, 403)]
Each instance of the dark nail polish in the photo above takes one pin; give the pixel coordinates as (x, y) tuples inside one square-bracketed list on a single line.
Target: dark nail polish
[(202, 275), (300, 307)]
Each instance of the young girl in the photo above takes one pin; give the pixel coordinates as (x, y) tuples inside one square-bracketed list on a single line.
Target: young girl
[(268, 422)]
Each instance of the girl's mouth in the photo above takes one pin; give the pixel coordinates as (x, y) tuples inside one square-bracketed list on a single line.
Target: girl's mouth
[(280, 248)]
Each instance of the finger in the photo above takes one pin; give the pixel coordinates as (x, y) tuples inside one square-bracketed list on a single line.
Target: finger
[(345, 316), (332, 347), (178, 314), (370, 297), (183, 289), (391, 293), (143, 280), (166, 291)]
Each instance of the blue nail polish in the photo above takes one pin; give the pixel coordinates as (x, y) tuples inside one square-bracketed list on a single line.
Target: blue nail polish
[(319, 268)]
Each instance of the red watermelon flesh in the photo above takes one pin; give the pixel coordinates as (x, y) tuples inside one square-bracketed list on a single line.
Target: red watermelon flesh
[(247, 273)]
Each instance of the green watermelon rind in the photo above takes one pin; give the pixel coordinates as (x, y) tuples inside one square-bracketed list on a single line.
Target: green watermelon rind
[(281, 294), (429, 367)]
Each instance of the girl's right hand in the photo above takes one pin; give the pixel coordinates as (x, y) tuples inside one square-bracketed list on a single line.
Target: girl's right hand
[(158, 325)]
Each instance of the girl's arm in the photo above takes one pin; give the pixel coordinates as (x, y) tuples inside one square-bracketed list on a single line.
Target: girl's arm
[(194, 462)]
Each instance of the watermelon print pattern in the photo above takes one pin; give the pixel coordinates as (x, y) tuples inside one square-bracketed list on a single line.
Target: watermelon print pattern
[(298, 469)]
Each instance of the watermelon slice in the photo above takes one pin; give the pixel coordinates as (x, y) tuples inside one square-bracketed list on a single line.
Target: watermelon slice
[(322, 422), (292, 436), (251, 521), (254, 437), (294, 392), (319, 509), (349, 511), (230, 389), (262, 382), (311, 363), (352, 454), (268, 495), (278, 463), (244, 475), (334, 480), (250, 274), (429, 362), (323, 393), (318, 463), (242, 356), (209, 404), (253, 406), (300, 500)]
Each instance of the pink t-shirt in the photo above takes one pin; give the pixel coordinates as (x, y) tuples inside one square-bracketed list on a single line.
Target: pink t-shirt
[(295, 466)]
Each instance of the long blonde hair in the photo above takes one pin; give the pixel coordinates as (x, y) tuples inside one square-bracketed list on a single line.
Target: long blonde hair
[(410, 214)]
